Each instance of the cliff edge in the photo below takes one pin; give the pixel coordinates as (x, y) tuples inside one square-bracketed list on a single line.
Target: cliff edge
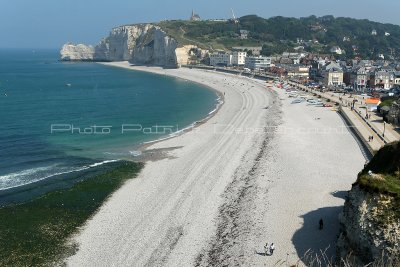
[(370, 222), (141, 44)]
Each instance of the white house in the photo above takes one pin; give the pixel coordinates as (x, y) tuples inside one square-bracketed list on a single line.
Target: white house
[(337, 50), (244, 34), (238, 58), (221, 59), (256, 63)]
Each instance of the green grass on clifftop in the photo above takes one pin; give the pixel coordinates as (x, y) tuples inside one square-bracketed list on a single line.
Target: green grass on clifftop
[(35, 233), (212, 35), (385, 166), (279, 34)]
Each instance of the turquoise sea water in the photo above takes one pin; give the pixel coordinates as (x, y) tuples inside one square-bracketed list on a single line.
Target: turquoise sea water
[(59, 118)]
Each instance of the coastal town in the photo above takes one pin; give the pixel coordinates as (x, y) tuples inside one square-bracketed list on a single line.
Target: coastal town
[(374, 85), (370, 87)]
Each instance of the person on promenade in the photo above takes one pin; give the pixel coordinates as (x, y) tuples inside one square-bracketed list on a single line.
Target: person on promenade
[(372, 138), (321, 224), (266, 249), (271, 249)]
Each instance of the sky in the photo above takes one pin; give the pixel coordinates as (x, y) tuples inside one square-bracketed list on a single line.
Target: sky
[(51, 23)]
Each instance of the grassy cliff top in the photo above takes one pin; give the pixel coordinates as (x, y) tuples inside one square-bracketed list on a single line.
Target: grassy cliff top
[(385, 166), (278, 34), (211, 35)]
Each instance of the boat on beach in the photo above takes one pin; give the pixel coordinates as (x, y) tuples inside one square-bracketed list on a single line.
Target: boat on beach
[(298, 100)]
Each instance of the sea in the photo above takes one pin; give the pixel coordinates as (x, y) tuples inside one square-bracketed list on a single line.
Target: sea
[(61, 119)]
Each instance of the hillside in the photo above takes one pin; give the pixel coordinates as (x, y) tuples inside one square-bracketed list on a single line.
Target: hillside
[(278, 34)]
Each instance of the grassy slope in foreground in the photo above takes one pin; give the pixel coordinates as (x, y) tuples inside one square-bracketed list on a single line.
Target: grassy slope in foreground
[(386, 167), (35, 233), (386, 162)]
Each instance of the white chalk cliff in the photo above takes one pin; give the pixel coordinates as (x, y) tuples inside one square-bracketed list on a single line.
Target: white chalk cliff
[(142, 44), (81, 52)]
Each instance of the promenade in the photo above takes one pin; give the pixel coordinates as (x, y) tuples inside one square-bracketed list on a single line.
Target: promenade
[(374, 126)]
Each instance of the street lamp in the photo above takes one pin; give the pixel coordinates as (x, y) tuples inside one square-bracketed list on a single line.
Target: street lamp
[(384, 128)]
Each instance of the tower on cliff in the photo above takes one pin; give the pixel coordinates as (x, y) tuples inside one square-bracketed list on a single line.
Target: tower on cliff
[(194, 16)]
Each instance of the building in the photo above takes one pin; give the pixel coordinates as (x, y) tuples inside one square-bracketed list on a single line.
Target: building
[(374, 32), (382, 79), (333, 76), (194, 17), (221, 59), (244, 34), (361, 78), (239, 58), (301, 72), (257, 63), (332, 65), (358, 78), (397, 78), (255, 50), (336, 49), (372, 104)]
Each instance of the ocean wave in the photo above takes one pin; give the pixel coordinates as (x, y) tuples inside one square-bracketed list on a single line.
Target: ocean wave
[(34, 175), (135, 153)]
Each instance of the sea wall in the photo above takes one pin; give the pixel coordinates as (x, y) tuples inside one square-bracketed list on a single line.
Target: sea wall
[(370, 227), (142, 44)]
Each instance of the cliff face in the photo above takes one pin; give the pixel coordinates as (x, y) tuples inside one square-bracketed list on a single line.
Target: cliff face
[(80, 52), (142, 44), (370, 227), (154, 47), (120, 43), (370, 222)]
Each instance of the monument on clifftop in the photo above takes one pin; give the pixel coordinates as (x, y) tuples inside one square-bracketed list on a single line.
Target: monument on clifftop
[(194, 17)]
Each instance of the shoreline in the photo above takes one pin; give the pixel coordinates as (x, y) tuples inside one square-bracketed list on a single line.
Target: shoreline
[(220, 195), (28, 228), (158, 70)]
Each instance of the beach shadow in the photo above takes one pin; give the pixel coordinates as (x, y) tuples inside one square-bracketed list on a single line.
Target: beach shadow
[(340, 194), (310, 239), (261, 253)]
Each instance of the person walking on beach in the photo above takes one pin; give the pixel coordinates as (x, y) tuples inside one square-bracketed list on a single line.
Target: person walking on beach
[(321, 224), (266, 249), (271, 249)]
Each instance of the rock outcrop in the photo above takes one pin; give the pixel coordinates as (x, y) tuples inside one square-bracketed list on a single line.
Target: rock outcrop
[(142, 44), (79, 52), (370, 228), (370, 221)]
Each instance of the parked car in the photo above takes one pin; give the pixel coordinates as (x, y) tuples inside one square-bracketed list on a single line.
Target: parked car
[(394, 92)]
